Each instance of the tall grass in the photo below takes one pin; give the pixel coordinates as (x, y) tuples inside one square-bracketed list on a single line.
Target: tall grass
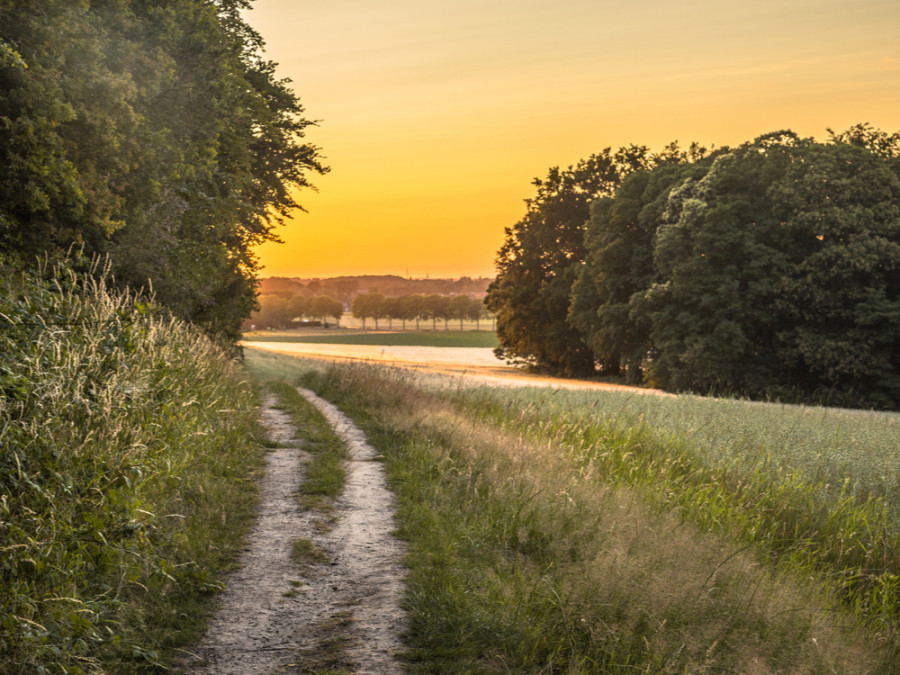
[(815, 489), (127, 473), (529, 554)]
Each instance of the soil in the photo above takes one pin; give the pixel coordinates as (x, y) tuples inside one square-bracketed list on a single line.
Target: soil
[(341, 613)]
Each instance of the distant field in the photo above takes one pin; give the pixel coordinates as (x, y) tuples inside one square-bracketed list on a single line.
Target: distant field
[(469, 338)]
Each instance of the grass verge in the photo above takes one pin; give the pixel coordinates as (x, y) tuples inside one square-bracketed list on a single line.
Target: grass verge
[(128, 465), (325, 475), (526, 557)]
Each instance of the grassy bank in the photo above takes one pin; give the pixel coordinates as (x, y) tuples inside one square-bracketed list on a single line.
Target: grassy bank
[(127, 468), (814, 490), (535, 547)]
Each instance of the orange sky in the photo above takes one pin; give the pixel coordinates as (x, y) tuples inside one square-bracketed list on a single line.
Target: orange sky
[(436, 114)]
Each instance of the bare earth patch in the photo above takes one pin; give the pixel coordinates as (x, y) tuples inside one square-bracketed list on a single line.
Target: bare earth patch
[(338, 609)]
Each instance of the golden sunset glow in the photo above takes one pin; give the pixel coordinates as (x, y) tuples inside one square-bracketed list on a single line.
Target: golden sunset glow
[(435, 116)]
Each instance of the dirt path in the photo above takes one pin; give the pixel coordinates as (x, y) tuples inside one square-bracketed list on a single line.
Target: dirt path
[(342, 613)]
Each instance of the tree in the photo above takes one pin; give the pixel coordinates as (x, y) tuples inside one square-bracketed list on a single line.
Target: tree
[(414, 307), (435, 307), (777, 272), (368, 305), (153, 132), (459, 307), (299, 306), (619, 266), (274, 311), (540, 257), (324, 306)]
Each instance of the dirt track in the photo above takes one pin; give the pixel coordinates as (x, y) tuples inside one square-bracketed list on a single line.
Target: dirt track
[(276, 616)]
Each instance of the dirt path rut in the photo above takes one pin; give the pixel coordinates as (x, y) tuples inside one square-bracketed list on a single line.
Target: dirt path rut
[(279, 617)]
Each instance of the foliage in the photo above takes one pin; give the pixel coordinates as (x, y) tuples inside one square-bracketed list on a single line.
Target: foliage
[(619, 263), (767, 270), (368, 306), (277, 311), (152, 131), (127, 454), (539, 260)]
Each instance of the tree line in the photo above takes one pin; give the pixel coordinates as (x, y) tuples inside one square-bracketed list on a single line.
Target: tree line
[(345, 287), (418, 307), (153, 132), (769, 270), (278, 311)]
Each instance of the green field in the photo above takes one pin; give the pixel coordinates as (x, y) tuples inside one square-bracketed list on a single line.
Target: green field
[(469, 338), (608, 532)]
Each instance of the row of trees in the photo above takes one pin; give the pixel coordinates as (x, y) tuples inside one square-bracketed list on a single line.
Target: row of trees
[(154, 132), (417, 307), (276, 311), (768, 269)]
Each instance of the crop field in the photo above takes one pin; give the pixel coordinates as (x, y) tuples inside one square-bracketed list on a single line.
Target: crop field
[(469, 338), (604, 531)]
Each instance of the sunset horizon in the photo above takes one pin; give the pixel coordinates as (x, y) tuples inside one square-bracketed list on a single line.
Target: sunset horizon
[(435, 119)]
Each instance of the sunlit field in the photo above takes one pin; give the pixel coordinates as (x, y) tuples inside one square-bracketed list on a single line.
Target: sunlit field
[(605, 531), (455, 338)]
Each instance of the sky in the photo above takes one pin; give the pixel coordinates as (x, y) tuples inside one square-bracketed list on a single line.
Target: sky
[(435, 115)]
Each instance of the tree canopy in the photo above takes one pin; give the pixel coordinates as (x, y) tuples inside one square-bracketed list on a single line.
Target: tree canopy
[(154, 132), (540, 257), (769, 270)]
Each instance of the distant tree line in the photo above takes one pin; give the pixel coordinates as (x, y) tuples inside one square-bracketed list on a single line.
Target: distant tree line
[(153, 132), (417, 307), (767, 270), (345, 287), (277, 311)]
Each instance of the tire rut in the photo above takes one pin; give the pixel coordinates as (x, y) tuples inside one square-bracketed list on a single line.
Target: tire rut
[(278, 617)]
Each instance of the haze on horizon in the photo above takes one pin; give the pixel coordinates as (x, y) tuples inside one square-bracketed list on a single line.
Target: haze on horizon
[(436, 116)]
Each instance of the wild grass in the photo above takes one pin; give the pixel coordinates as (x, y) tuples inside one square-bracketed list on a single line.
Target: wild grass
[(325, 475), (529, 553), (128, 467), (304, 552), (815, 489), (468, 338)]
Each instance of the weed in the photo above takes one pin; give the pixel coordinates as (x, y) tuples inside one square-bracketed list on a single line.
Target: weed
[(325, 475), (329, 656), (305, 553)]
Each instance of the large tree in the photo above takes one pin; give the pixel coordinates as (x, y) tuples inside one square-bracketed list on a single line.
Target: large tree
[(778, 271), (541, 255), (153, 131), (618, 264)]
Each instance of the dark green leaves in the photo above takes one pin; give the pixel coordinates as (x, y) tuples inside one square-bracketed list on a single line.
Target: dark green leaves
[(154, 132)]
